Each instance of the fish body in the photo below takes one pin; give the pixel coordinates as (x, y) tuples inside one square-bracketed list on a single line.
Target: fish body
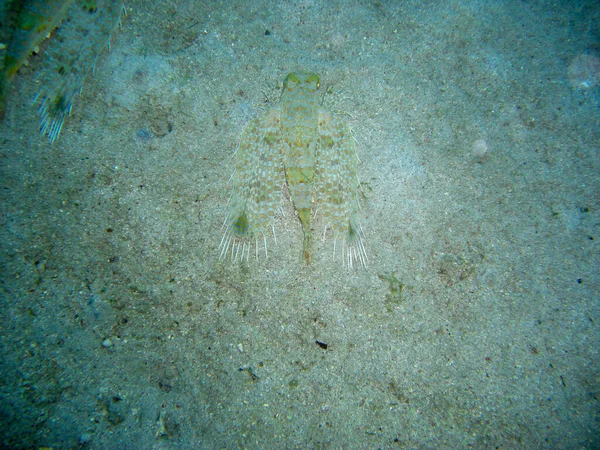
[(25, 24), (300, 142), (300, 125), (83, 31)]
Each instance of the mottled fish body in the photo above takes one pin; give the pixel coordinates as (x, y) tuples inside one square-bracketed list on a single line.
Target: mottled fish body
[(300, 142), (25, 24), (83, 31)]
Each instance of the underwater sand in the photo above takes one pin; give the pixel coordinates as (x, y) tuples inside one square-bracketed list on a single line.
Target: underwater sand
[(476, 322)]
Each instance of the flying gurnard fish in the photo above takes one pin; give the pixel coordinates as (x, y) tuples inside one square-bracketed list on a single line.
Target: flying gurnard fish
[(84, 28)]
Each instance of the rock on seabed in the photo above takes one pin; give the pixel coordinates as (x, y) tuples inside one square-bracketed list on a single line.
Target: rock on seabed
[(584, 71)]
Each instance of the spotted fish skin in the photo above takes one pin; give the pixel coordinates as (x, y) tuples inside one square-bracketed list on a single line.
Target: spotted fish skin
[(301, 142)]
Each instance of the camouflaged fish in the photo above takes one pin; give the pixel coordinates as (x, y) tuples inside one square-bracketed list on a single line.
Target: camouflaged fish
[(84, 28), (23, 26), (301, 142)]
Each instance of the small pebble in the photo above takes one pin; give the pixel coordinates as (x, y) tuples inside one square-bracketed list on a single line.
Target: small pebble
[(143, 135), (106, 343), (584, 71), (480, 149)]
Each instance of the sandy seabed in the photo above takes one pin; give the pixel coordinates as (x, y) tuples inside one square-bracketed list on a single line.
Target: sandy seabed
[(476, 322)]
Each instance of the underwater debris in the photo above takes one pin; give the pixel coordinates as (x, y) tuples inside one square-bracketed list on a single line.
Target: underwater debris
[(323, 345)]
